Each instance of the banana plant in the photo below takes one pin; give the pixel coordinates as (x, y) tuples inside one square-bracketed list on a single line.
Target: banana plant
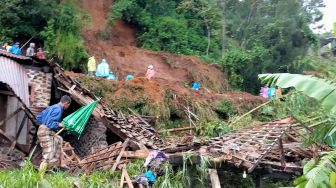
[(320, 89), (319, 174), (316, 173)]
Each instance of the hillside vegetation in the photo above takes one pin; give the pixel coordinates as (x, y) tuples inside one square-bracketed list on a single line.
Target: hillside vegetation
[(223, 44)]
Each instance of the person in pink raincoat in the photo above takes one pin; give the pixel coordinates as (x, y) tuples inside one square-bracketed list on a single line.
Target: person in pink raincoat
[(150, 72), (264, 92)]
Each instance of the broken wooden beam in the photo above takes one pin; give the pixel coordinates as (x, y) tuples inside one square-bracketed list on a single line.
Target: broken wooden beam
[(214, 179), (178, 129), (125, 144), (9, 117)]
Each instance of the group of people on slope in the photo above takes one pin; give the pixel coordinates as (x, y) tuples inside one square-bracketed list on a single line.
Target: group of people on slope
[(271, 92), (103, 70), (30, 52)]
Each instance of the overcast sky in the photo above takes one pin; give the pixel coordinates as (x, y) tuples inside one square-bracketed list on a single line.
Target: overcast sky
[(329, 15)]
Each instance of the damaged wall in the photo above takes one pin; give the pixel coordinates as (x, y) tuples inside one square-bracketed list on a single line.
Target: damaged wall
[(39, 89), (92, 139)]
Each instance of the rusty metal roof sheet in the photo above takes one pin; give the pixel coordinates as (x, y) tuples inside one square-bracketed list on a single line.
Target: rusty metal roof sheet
[(14, 75), (24, 60), (13, 56)]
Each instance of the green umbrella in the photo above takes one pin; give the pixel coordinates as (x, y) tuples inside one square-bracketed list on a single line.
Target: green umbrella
[(75, 122)]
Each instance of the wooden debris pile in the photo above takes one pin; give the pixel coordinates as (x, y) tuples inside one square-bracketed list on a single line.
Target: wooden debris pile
[(277, 144), (134, 127), (105, 159)]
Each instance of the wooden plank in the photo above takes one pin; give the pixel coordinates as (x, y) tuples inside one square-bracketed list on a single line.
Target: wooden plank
[(127, 178), (12, 139), (282, 154), (9, 93), (125, 144), (215, 183), (178, 129), (138, 154), (18, 133), (122, 178), (9, 117)]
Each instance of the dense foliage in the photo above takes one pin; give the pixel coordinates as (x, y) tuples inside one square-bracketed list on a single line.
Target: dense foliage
[(245, 37), (53, 24), (62, 37), (24, 18)]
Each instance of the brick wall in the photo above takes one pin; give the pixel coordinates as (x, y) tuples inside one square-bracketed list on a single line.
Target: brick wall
[(40, 88)]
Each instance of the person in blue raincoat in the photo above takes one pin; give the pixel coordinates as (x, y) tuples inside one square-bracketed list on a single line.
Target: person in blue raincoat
[(112, 76), (15, 49), (129, 77), (195, 86), (103, 69), (271, 92)]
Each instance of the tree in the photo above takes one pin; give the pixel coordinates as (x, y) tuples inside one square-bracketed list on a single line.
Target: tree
[(24, 18), (63, 39), (205, 10)]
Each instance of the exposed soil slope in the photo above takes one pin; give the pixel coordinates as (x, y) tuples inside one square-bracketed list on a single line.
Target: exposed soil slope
[(124, 57), (172, 71)]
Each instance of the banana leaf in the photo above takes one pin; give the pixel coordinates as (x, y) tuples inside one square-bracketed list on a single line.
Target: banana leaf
[(76, 122), (320, 89)]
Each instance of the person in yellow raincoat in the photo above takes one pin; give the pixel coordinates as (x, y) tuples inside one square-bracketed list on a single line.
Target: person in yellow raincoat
[(91, 66)]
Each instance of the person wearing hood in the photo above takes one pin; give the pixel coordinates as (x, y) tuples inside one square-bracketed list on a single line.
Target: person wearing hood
[(271, 92), (150, 72), (31, 50), (91, 66), (15, 49), (103, 69)]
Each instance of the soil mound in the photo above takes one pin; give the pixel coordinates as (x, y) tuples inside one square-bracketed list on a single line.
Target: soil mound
[(119, 48), (174, 73)]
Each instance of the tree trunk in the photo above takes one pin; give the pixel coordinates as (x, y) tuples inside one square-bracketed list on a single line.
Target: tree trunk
[(209, 38), (223, 6)]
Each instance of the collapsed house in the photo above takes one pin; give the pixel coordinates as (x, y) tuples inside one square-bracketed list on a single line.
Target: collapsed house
[(27, 86)]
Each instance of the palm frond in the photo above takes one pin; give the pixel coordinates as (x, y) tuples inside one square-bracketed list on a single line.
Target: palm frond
[(320, 89), (316, 174)]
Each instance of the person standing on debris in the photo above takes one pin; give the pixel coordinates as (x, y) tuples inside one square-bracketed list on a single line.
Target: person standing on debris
[(264, 91), (31, 50), (7, 47), (51, 144), (103, 69), (15, 49), (150, 72), (91, 66), (278, 92), (40, 54), (271, 92)]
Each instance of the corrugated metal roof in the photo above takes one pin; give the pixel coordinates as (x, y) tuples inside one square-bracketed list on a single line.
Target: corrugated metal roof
[(14, 75), (25, 60), (13, 56)]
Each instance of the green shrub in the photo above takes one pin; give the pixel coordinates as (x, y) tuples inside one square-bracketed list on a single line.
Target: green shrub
[(225, 109)]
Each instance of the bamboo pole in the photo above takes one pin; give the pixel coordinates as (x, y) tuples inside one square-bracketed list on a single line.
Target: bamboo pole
[(178, 129), (249, 112)]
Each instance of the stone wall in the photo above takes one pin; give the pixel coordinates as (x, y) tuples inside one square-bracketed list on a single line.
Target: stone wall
[(40, 88), (92, 139), (39, 93)]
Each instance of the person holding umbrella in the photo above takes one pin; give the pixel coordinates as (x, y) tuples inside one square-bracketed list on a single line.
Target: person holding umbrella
[(51, 143)]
